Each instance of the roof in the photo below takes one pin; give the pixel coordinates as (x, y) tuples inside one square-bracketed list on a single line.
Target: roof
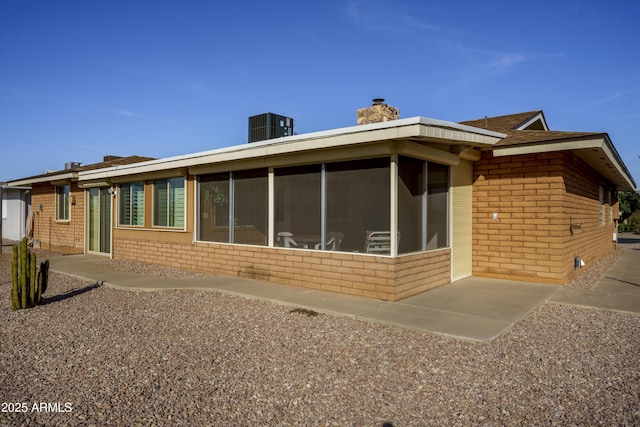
[(506, 123), (528, 133), (72, 173), (413, 132)]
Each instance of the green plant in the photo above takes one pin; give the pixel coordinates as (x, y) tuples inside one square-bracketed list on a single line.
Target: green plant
[(27, 286)]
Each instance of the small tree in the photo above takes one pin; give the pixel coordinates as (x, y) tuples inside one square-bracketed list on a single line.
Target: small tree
[(629, 202)]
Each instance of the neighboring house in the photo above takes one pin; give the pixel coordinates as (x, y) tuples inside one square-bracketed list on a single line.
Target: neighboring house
[(383, 210), (16, 202)]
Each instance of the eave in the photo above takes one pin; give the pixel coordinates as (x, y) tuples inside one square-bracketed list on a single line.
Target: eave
[(596, 149), (335, 144)]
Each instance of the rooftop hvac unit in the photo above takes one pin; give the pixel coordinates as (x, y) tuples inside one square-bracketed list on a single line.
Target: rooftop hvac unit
[(72, 165), (268, 126)]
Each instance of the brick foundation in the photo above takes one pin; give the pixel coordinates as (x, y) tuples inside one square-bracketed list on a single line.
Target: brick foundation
[(378, 277)]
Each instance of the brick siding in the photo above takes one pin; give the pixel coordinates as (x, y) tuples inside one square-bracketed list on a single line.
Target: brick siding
[(537, 198), (363, 275), (61, 236)]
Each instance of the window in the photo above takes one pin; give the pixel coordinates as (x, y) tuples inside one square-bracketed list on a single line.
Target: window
[(242, 196), (214, 207), (298, 204), (168, 202), (250, 207), (62, 202), (358, 197), (601, 203), (610, 207), (131, 204), (422, 205), (437, 205), (411, 204)]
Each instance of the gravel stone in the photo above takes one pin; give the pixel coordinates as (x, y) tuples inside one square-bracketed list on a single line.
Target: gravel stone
[(189, 357)]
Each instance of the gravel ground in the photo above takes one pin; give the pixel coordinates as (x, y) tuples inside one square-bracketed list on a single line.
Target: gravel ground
[(101, 356)]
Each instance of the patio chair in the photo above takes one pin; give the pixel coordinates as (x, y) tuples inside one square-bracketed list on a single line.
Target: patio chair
[(334, 239), (286, 240), (378, 242)]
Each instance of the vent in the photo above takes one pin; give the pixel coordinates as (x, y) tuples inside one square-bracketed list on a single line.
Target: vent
[(268, 126), (72, 165)]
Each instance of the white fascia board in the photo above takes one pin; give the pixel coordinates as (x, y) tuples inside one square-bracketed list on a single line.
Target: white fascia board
[(414, 127), (51, 178), (533, 119), (15, 187), (603, 143), (546, 148), (612, 154)]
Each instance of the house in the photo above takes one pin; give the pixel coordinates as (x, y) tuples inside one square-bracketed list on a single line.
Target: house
[(16, 204), (62, 206), (386, 209)]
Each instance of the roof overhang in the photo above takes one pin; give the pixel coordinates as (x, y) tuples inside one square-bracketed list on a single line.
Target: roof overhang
[(411, 134), (51, 179), (4, 186), (598, 151)]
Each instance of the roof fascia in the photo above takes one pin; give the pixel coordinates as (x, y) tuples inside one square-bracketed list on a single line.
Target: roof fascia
[(540, 116), (602, 142), (15, 187), (415, 127), (69, 176)]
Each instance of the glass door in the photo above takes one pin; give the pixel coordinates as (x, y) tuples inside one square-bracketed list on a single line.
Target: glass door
[(99, 220)]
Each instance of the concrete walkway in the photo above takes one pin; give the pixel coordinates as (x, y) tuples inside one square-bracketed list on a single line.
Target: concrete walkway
[(475, 309)]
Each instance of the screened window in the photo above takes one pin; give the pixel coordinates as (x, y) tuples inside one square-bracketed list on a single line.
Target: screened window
[(214, 207), (423, 205), (238, 198), (168, 202), (437, 205), (62, 202), (131, 204), (298, 206), (357, 202), (250, 207), (411, 204)]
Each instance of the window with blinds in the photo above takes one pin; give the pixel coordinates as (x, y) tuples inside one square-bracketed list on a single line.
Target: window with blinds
[(168, 202), (131, 204)]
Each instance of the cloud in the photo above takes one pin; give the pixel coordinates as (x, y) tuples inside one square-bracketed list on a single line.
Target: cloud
[(486, 63), (385, 17)]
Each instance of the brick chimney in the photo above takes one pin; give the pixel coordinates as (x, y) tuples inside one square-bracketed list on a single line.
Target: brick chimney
[(378, 112)]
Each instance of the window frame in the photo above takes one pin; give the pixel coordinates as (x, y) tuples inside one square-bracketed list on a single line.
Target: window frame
[(130, 186), (65, 195), (154, 196)]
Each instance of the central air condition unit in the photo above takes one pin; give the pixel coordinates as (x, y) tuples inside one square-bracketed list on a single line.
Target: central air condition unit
[(268, 126)]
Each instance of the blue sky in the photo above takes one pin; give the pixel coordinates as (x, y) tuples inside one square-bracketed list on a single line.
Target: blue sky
[(82, 79)]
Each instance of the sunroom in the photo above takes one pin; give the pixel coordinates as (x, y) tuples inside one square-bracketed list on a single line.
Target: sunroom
[(365, 210)]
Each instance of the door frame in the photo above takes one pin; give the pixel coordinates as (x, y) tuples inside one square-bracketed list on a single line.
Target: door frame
[(108, 221)]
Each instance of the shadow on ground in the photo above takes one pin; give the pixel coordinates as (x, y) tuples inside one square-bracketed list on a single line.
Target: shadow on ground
[(70, 294)]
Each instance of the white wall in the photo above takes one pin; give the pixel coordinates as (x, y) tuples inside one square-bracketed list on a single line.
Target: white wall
[(14, 213)]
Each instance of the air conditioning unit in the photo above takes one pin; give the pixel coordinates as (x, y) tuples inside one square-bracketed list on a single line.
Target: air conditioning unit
[(268, 126), (72, 165)]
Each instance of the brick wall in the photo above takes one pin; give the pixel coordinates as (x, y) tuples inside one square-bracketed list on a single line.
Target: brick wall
[(536, 197), (369, 276), (62, 236)]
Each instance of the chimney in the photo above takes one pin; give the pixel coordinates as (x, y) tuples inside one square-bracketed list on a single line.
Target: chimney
[(378, 112)]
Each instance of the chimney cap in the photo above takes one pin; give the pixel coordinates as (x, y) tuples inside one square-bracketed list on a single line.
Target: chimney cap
[(378, 101)]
